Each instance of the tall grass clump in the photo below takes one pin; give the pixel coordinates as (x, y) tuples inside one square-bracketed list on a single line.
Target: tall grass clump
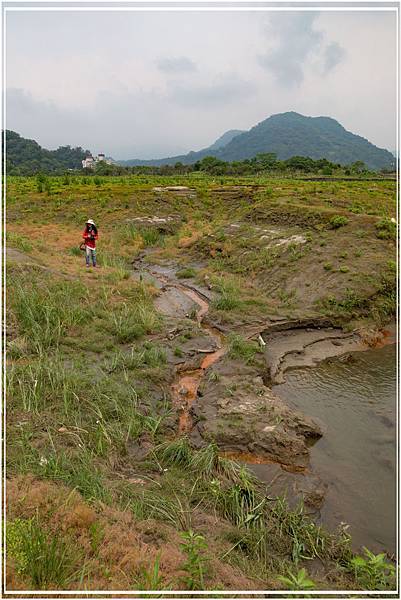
[(176, 452), (44, 384), (228, 295), (45, 311), (147, 235), (47, 560), (132, 322), (242, 349)]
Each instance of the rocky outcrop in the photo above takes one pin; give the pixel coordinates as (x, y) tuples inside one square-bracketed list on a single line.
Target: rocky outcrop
[(237, 411)]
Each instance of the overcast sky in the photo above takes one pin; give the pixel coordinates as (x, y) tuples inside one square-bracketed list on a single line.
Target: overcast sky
[(154, 84)]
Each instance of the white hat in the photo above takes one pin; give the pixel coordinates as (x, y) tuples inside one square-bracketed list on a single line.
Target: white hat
[(90, 221)]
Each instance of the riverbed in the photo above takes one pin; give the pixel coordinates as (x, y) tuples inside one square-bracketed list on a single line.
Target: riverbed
[(355, 399)]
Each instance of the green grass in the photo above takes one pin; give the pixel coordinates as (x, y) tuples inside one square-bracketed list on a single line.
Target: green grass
[(186, 273), (132, 321), (16, 240), (239, 348), (46, 310), (229, 295)]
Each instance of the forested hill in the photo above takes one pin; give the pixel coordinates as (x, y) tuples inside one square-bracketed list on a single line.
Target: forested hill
[(291, 134), (26, 157)]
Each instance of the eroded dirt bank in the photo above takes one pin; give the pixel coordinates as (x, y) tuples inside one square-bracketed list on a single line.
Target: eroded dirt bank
[(219, 398)]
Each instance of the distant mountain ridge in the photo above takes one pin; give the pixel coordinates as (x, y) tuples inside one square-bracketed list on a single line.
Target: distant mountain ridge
[(225, 139), (288, 134), (186, 159)]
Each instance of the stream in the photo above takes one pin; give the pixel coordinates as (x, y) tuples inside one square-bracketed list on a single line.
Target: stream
[(185, 388), (355, 400)]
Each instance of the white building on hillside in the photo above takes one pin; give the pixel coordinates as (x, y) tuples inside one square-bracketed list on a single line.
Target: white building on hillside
[(89, 162)]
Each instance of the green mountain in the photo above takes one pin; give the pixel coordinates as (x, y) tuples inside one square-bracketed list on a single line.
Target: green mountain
[(291, 134), (224, 139), (26, 157)]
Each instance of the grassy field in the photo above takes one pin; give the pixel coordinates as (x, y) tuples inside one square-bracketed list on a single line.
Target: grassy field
[(93, 457)]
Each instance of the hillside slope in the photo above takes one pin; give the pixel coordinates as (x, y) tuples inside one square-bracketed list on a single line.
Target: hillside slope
[(290, 134), (26, 157)]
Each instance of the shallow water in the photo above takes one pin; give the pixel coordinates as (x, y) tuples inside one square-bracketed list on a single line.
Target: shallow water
[(356, 457)]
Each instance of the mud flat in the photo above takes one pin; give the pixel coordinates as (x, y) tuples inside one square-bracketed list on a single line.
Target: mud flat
[(306, 346)]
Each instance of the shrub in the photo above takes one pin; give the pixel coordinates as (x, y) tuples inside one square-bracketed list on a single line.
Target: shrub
[(386, 229), (338, 221)]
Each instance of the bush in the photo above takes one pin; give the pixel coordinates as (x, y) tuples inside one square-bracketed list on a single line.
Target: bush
[(386, 229), (338, 221)]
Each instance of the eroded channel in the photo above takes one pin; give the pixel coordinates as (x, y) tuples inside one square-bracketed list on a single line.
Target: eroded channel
[(351, 476)]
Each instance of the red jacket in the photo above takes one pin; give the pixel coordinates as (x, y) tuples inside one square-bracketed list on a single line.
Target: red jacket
[(90, 238)]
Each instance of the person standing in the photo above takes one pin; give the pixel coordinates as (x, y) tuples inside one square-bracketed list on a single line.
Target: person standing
[(90, 236)]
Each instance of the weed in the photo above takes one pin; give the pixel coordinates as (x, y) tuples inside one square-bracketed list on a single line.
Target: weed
[(18, 241), (150, 578), (75, 251), (229, 295), (96, 533), (176, 452), (178, 352), (306, 540), (131, 323), (46, 312), (372, 572), (213, 376), (194, 546), (297, 581)]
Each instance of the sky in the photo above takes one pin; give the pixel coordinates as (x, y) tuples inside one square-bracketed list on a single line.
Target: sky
[(155, 84)]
